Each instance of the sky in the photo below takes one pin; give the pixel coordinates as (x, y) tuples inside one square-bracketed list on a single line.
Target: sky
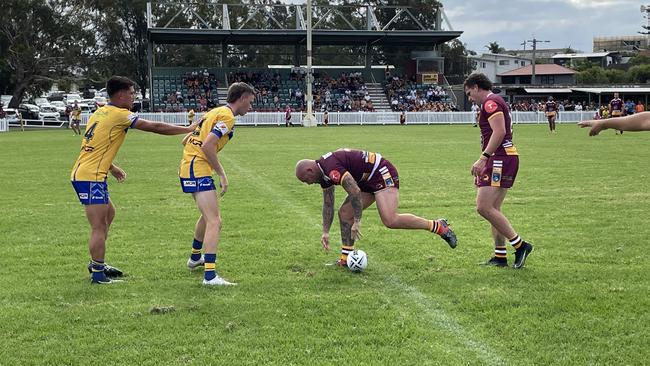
[(565, 23)]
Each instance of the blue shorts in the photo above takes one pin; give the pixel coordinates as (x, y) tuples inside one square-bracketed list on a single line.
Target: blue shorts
[(200, 184), (91, 193)]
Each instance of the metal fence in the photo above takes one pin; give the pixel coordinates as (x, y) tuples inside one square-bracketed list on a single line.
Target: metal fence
[(345, 118)]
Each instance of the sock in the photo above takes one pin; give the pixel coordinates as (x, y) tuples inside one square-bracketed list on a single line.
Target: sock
[(436, 226), (196, 250), (500, 252), (345, 250), (97, 270), (515, 242), (210, 264)]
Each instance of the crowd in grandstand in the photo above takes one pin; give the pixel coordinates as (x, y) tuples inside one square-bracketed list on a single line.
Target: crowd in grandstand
[(198, 89), (406, 94)]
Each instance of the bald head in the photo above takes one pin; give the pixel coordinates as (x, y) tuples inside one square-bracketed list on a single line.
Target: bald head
[(307, 171)]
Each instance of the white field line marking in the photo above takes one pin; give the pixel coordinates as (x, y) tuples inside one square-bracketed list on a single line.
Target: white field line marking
[(437, 316)]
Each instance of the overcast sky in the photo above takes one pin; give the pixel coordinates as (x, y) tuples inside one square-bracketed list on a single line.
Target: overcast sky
[(565, 23)]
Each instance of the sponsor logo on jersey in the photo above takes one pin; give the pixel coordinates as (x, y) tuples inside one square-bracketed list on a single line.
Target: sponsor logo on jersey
[(491, 106), (335, 176)]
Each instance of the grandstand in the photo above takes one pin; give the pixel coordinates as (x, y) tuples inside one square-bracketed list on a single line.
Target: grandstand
[(344, 89)]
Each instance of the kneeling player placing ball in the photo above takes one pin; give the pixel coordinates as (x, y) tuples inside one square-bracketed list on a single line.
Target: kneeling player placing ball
[(367, 178)]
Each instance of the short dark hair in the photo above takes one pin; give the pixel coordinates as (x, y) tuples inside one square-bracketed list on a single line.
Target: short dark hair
[(478, 79), (236, 90), (117, 83)]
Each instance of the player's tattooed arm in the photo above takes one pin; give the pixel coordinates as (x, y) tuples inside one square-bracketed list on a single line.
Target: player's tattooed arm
[(328, 216), (328, 208)]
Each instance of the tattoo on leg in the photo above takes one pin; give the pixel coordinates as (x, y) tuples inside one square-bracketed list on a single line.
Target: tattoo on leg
[(346, 233)]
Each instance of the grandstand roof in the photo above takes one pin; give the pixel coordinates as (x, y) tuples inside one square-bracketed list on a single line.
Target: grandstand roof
[(628, 90), (299, 36), (541, 69)]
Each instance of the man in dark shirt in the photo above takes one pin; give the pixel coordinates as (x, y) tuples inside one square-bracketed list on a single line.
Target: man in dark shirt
[(367, 178)]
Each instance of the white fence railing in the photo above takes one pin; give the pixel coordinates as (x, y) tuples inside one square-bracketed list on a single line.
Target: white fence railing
[(347, 118), (4, 125)]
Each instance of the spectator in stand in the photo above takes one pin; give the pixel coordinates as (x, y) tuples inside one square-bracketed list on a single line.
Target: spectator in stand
[(629, 107), (639, 107)]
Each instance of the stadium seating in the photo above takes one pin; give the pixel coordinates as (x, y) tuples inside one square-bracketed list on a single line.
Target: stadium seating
[(182, 91)]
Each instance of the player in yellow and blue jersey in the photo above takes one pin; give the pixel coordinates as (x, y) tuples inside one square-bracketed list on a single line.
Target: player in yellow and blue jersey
[(103, 137), (202, 146)]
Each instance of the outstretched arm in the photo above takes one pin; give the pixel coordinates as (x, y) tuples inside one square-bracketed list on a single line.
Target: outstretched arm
[(634, 122), (162, 128)]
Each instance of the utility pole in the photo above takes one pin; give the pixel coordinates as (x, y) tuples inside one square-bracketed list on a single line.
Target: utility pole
[(534, 42)]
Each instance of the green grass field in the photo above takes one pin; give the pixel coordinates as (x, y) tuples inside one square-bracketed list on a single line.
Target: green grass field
[(582, 299)]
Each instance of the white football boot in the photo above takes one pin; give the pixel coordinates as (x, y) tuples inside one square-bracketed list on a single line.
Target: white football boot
[(218, 281), (192, 265)]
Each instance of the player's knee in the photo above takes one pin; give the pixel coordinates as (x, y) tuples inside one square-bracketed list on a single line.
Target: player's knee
[(390, 222), (346, 214), (213, 223), (483, 210)]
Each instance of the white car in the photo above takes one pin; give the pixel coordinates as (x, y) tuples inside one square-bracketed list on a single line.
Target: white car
[(60, 107), (49, 112), (100, 101), (41, 101), (11, 115), (71, 98)]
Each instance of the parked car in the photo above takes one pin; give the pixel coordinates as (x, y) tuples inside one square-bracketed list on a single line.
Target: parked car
[(41, 101), (60, 107), (92, 105), (29, 111), (100, 101), (56, 95), (11, 115), (70, 98), (48, 112)]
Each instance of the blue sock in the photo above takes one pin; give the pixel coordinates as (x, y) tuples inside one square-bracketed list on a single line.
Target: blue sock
[(97, 270), (196, 250), (210, 270)]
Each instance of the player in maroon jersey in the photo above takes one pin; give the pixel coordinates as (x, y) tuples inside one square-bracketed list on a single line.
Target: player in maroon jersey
[(367, 177), (616, 109), (551, 113), (496, 169)]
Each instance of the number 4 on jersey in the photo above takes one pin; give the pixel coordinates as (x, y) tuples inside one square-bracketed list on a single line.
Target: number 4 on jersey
[(90, 132)]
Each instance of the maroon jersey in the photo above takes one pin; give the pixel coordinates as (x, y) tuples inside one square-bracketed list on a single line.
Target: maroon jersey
[(359, 164), (494, 106), (616, 107), (551, 106)]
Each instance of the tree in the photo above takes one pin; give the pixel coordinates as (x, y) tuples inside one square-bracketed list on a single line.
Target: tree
[(121, 31), (494, 47), (44, 43), (640, 73), (457, 63), (639, 60), (593, 75)]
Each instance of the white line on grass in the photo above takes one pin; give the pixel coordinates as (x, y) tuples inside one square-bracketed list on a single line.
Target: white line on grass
[(438, 316)]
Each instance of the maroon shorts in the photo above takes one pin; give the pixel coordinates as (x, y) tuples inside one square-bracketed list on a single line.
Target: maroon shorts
[(385, 176), (500, 171)]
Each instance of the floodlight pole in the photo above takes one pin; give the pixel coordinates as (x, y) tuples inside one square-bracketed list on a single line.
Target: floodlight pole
[(309, 119)]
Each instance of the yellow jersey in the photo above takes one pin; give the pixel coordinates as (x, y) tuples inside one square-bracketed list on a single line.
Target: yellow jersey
[(105, 133), (219, 121), (76, 113)]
